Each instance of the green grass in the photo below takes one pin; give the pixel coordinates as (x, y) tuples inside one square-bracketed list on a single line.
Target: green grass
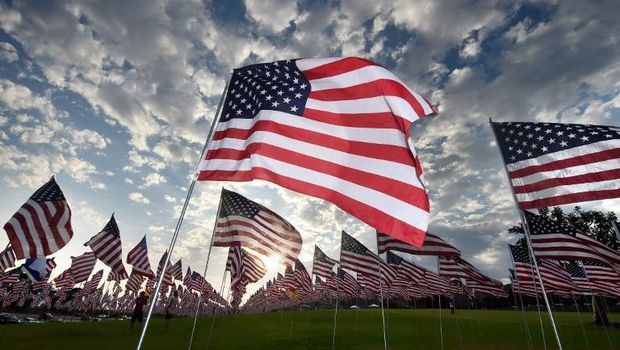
[(357, 329)]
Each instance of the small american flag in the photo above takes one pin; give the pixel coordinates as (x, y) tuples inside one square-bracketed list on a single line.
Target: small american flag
[(138, 257), (64, 280), (332, 128), (457, 267), (303, 279), (187, 280), (108, 248), (7, 259), (168, 280), (433, 245), (553, 164), (348, 284), (42, 225), (411, 271), (244, 268), (248, 224), (356, 257), (82, 266), (322, 264), (177, 270), (91, 285), (134, 282)]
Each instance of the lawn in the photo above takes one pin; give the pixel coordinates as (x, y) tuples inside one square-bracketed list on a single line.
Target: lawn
[(357, 329)]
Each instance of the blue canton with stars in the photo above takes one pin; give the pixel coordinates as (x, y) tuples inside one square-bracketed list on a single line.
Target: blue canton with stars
[(520, 141), (278, 86), (540, 225)]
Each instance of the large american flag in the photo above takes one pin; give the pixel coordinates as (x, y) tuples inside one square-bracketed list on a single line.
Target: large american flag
[(82, 266), (333, 128), (553, 164), (108, 248), (248, 224), (42, 225), (138, 257), (558, 240), (433, 245), (322, 264), (7, 259)]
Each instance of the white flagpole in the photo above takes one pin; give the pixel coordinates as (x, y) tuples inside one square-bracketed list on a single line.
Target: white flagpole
[(337, 296), (180, 221), (381, 294), (526, 228)]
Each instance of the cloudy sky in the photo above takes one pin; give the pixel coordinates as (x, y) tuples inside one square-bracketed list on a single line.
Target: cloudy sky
[(116, 98)]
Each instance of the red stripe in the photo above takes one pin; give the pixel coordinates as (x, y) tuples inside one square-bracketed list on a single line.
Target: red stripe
[(34, 218), (376, 88), (15, 243), (385, 120), (399, 154), (52, 221), (572, 180), (370, 215), (331, 69), (570, 198), (32, 249), (272, 241), (397, 189), (582, 160), (269, 248)]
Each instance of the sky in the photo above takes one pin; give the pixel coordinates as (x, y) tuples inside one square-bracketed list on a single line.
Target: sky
[(116, 98)]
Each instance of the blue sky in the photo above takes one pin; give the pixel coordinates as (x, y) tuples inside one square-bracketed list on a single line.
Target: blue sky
[(116, 98)]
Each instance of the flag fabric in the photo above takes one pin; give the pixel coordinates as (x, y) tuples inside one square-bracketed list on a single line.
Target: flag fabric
[(112, 277), (578, 276), (64, 280), (410, 271), (82, 266), (557, 240), (134, 282), (248, 224), (332, 128), (177, 270), (7, 259), (322, 265), (553, 164), (35, 268), (187, 280), (457, 267), (42, 225), (91, 285), (348, 284), (432, 245), (302, 278), (138, 257), (108, 248), (356, 257), (167, 281), (244, 268), (597, 271)]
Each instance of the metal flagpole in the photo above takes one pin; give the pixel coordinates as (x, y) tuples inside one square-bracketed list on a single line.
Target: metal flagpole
[(204, 274), (439, 302), (583, 329), (526, 228), (213, 310), (180, 222), (337, 296), (514, 297), (381, 293)]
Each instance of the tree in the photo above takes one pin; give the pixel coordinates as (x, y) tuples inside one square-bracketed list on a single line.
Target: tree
[(593, 223)]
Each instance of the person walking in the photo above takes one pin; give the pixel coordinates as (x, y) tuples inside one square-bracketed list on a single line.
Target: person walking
[(138, 310), (171, 306)]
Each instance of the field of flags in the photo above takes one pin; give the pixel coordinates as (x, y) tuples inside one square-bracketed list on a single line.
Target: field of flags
[(336, 129)]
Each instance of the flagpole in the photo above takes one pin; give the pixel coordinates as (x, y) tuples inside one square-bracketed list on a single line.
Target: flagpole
[(439, 304), (180, 221), (526, 228), (217, 215), (337, 296), (381, 293)]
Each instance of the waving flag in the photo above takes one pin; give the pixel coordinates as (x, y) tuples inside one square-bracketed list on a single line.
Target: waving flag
[(248, 224), (64, 280), (332, 128), (554, 164), (42, 225), (244, 269), (108, 248), (322, 264), (82, 266), (138, 257), (356, 257), (134, 282), (412, 272), (7, 259), (433, 245), (177, 270)]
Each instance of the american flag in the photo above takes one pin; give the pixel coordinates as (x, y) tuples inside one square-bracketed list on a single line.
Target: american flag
[(134, 282), (42, 225), (64, 280), (187, 280), (433, 245), (112, 277), (244, 268), (552, 239), (91, 285), (167, 281), (356, 257), (82, 266), (603, 279), (177, 270), (456, 267), (108, 248), (578, 276), (552, 164), (50, 264), (411, 271), (493, 288), (248, 224), (333, 128), (348, 284), (302, 278), (322, 264), (138, 257), (7, 259)]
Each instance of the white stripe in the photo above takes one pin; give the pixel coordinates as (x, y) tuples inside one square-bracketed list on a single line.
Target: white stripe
[(46, 228), (31, 228), (569, 189), (253, 242), (266, 235), (566, 154), (393, 170), (389, 205), (610, 164), (64, 219), (309, 63), (279, 231), (380, 104), (381, 136)]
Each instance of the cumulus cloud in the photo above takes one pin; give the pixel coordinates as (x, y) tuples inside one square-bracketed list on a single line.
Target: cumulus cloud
[(8, 52), (153, 179), (139, 198)]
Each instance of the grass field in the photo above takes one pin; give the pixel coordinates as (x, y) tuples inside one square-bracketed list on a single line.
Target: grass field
[(357, 329)]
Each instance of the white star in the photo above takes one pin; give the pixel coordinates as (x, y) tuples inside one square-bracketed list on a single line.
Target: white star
[(294, 109), (286, 100), (298, 95), (275, 104)]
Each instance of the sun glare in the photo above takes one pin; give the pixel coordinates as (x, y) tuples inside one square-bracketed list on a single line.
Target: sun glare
[(272, 262)]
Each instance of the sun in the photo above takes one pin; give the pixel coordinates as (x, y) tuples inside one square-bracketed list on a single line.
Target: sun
[(272, 262)]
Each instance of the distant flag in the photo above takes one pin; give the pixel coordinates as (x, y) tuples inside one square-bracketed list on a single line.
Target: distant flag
[(42, 225), (553, 164), (599, 272), (138, 257), (303, 279), (112, 277), (250, 225), (50, 264), (168, 281), (433, 245), (322, 264), (187, 280), (107, 247), (457, 267), (616, 228), (356, 257), (411, 271), (332, 128), (177, 270), (91, 285), (82, 266), (64, 280), (348, 284), (134, 282), (7, 259), (244, 269)]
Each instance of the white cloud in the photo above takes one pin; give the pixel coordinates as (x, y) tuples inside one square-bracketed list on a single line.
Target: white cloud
[(153, 179), (273, 15), (169, 198), (139, 198), (8, 53)]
